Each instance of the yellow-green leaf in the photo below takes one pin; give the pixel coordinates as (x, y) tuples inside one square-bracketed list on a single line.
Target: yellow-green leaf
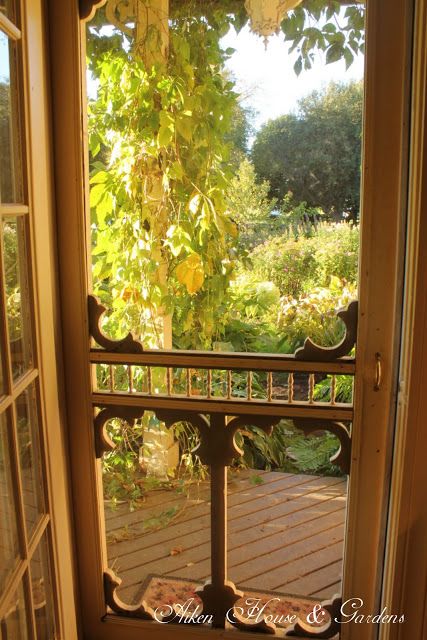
[(190, 273), (96, 194), (184, 127), (165, 136)]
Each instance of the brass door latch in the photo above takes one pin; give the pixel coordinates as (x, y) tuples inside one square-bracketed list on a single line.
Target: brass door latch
[(378, 372)]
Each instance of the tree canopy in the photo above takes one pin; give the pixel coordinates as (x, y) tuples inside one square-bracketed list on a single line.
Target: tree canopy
[(316, 152)]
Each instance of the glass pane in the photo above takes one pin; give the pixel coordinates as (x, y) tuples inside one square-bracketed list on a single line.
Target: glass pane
[(17, 294), (42, 592), (14, 624), (29, 453), (10, 143), (8, 529)]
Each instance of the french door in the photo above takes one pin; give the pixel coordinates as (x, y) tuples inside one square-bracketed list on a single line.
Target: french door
[(33, 509), (365, 452)]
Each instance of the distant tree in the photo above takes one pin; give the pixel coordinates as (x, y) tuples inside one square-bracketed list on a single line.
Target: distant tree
[(240, 133), (316, 153), (250, 206)]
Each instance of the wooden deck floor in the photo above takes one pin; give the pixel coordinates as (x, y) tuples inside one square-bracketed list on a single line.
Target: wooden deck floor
[(285, 534)]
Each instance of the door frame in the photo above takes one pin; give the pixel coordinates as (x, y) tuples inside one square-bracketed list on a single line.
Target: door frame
[(383, 213), (405, 577), (389, 27), (46, 334)]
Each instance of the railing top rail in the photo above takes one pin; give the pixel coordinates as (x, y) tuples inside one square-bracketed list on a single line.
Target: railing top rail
[(223, 361)]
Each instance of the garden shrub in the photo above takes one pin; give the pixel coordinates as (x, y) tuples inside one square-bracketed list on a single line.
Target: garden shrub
[(289, 264), (250, 315), (314, 314), (343, 389), (288, 450), (337, 252), (297, 266)]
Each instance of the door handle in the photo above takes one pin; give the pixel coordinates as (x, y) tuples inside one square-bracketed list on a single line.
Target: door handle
[(378, 372)]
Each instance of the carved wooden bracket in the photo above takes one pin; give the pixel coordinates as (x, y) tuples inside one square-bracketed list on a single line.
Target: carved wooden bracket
[(218, 599), (255, 627), (112, 600), (120, 13), (316, 353), (328, 630), (128, 344), (103, 441), (217, 436), (342, 457), (87, 8), (219, 602)]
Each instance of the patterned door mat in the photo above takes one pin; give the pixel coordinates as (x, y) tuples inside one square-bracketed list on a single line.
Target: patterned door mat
[(163, 592)]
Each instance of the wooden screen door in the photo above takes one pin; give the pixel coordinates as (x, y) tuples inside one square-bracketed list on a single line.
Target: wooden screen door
[(104, 616), (33, 516)]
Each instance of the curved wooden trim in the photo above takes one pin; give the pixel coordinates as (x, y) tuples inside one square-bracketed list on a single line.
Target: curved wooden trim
[(342, 457), (112, 600), (303, 630), (312, 351), (103, 441), (128, 344), (87, 8)]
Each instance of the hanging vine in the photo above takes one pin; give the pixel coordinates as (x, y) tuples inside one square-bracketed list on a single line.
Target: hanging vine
[(163, 241), (162, 238)]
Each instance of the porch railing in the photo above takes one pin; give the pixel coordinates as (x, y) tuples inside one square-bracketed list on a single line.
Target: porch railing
[(217, 394)]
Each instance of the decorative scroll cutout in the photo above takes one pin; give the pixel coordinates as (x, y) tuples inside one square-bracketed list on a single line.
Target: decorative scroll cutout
[(217, 437), (112, 600), (328, 630), (258, 627), (120, 13), (316, 353), (342, 457), (87, 8), (196, 419), (103, 441), (128, 344), (266, 423), (218, 599)]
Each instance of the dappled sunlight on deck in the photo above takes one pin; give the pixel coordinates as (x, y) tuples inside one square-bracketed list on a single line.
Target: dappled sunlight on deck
[(285, 534)]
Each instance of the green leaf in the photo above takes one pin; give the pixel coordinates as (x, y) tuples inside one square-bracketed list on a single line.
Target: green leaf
[(165, 136), (99, 178), (334, 53), (103, 208), (96, 194), (184, 127), (348, 57), (298, 66)]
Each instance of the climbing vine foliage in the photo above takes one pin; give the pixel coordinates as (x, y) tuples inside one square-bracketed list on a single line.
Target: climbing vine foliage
[(163, 243)]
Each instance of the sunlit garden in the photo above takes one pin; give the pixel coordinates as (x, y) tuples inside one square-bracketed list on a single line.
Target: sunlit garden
[(214, 230)]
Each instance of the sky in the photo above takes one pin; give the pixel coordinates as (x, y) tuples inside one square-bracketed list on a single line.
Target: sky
[(268, 78)]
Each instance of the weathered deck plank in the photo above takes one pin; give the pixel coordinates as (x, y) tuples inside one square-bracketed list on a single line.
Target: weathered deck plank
[(284, 534)]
